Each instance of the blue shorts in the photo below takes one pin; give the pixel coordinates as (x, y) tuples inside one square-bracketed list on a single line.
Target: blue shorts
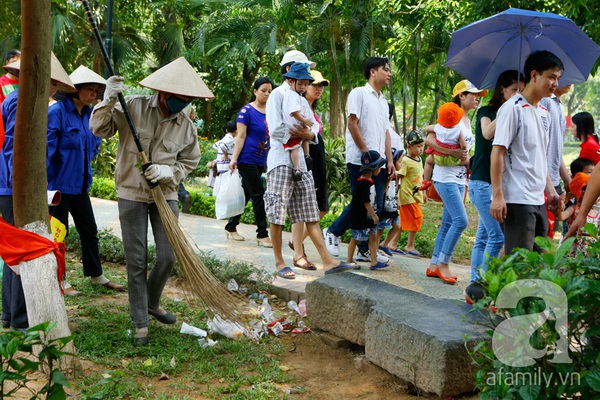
[(362, 235), (388, 223)]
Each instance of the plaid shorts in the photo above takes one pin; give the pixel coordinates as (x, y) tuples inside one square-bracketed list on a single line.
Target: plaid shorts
[(285, 196)]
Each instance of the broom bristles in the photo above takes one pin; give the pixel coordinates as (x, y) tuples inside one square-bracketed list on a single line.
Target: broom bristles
[(197, 277)]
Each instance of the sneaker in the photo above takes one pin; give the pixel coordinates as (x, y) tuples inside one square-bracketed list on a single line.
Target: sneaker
[(366, 256), (332, 242)]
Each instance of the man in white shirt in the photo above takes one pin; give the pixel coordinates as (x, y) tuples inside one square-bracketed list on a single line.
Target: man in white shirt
[(519, 161), (368, 129), (284, 196)]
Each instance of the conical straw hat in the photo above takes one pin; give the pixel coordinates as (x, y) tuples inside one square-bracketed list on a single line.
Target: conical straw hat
[(178, 77), (58, 75), (85, 75)]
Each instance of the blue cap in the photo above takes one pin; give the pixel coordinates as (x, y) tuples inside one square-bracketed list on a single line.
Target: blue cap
[(299, 70), (371, 160)]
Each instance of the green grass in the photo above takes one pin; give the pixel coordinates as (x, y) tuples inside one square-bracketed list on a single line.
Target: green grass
[(102, 330)]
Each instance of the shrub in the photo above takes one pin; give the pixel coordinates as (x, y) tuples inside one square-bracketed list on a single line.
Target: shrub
[(549, 374), (105, 162), (22, 354), (110, 246), (104, 188)]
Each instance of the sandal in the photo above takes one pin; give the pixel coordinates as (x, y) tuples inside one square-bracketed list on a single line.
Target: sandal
[(297, 175), (286, 273), (291, 246), (307, 264)]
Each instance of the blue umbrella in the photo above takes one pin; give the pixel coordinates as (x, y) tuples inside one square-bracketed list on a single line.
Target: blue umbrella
[(484, 49)]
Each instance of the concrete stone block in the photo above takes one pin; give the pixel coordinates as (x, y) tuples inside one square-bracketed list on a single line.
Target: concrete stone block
[(341, 303), (415, 337), (423, 343)]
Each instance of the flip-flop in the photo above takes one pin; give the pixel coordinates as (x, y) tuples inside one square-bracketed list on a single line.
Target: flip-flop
[(285, 273), (398, 251), (379, 265), (307, 264), (413, 253), (344, 266)]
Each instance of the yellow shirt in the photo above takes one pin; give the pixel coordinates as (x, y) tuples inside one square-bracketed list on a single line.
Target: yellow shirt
[(412, 175)]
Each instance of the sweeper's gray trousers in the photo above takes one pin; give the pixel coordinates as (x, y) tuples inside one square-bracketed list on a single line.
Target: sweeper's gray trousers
[(145, 290)]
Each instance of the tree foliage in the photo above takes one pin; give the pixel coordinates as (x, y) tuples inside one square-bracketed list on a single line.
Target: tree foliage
[(233, 42)]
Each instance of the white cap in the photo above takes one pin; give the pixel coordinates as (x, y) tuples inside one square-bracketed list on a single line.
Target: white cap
[(296, 56), (178, 77)]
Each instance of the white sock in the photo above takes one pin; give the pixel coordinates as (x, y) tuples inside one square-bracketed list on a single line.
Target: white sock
[(99, 280), (65, 284), (141, 332)]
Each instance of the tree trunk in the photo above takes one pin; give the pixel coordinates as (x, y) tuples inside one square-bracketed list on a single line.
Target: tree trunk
[(337, 126), (39, 277)]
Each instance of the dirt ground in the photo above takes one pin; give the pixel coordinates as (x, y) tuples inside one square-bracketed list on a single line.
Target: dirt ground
[(320, 372)]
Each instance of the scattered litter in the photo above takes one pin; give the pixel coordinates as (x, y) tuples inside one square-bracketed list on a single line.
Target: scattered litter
[(177, 299), (172, 363), (294, 390), (148, 362), (232, 285), (302, 307), (302, 328), (284, 368), (228, 329), (163, 377), (292, 305), (125, 363), (192, 330), (208, 342)]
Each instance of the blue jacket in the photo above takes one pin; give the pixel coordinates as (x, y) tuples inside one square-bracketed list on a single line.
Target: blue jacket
[(71, 147), (9, 116)]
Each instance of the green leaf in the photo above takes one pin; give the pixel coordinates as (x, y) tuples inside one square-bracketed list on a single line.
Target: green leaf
[(593, 379), (530, 392), (59, 378)]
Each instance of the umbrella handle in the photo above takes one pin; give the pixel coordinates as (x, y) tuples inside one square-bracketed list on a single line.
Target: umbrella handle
[(111, 72)]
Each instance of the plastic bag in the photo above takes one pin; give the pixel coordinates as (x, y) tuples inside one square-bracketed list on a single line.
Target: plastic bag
[(391, 197), (230, 198)]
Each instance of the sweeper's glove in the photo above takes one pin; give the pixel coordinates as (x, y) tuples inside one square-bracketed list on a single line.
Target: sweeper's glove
[(114, 86), (158, 173)]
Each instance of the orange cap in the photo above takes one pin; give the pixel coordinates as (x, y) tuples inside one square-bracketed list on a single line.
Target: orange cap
[(449, 114)]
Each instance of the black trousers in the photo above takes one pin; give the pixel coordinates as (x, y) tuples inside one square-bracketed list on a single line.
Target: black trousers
[(80, 207), (14, 310), (253, 189)]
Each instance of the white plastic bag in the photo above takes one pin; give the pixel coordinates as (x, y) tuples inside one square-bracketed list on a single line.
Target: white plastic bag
[(230, 197)]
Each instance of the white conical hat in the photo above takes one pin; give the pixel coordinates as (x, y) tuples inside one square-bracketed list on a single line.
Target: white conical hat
[(178, 77), (85, 75), (58, 75)]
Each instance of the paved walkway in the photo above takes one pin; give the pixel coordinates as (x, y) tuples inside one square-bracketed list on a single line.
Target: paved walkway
[(209, 235)]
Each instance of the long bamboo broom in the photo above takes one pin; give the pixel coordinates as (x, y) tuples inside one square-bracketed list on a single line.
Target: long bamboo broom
[(198, 279)]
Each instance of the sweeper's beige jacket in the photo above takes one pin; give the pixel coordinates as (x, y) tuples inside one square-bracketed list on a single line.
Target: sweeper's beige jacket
[(168, 141)]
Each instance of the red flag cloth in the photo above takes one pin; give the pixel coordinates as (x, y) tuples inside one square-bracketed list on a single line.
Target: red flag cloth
[(17, 245)]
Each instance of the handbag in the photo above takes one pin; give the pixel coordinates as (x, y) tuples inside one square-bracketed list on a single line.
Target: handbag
[(231, 200)]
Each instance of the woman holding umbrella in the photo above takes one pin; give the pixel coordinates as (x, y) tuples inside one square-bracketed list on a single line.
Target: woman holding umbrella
[(450, 183)]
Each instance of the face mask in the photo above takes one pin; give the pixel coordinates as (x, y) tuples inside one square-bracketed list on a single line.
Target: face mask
[(175, 105)]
